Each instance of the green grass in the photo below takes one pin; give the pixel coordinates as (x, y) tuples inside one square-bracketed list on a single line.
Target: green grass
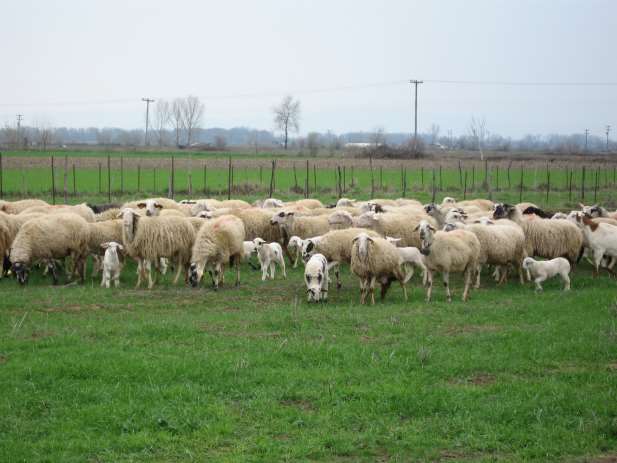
[(257, 374)]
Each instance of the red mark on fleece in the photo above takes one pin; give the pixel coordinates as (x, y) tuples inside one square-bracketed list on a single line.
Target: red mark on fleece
[(221, 221)]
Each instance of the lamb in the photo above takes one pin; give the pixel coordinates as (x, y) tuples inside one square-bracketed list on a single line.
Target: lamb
[(545, 237), (269, 254), (410, 257), (269, 203), (596, 211), (112, 265), (49, 238), (81, 210), (335, 246), (600, 238), (544, 269), (448, 252), (151, 238), (316, 277), (219, 241), (295, 248), (374, 259), (16, 207), (100, 233), (304, 227)]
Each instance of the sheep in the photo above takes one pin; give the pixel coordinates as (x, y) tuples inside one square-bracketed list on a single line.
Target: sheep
[(600, 238), (108, 214), (295, 248), (81, 210), (448, 252), (346, 202), (304, 227), (559, 216), (545, 237), (15, 207), (316, 278), (335, 246), (269, 203), (389, 224), (596, 211), (9, 226), (269, 254), (219, 241), (410, 257), (257, 224), (500, 245), (374, 259), (544, 269), (112, 265), (152, 203), (49, 238), (99, 233), (151, 238), (306, 203)]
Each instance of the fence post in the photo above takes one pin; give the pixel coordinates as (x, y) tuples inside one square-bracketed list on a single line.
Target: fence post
[(520, 191), (509, 182), (138, 178), (295, 177), (440, 183), (306, 181), (108, 178), (53, 181), (473, 177), (260, 175), (370, 161), (100, 184), (229, 178), (465, 188), (497, 177), (1, 178), (66, 178), (422, 176), (315, 178), (583, 185), (595, 189), (570, 188), (433, 197), (74, 182), (172, 178), (460, 174), (404, 181), (121, 175), (344, 179), (548, 182), (206, 178), (352, 184)]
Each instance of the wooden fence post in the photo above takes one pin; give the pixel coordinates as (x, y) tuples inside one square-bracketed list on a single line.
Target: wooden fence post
[(74, 182), (295, 177), (473, 177), (422, 176), (509, 181), (271, 192), (138, 178), (595, 189), (108, 178), (314, 178), (172, 179), (460, 174), (121, 175), (65, 177), (206, 178), (583, 185), (465, 187), (100, 180), (53, 181), (2, 179), (570, 187), (370, 162), (154, 180), (520, 190), (380, 178), (404, 182), (433, 186), (306, 181), (548, 182), (497, 178), (229, 179), (344, 179)]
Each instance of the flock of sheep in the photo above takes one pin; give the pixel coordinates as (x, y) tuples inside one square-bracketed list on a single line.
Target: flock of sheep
[(381, 240)]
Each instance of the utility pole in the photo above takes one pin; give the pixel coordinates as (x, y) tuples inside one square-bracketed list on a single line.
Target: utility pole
[(415, 119), (19, 119), (586, 137), (148, 101), (450, 138), (608, 129)]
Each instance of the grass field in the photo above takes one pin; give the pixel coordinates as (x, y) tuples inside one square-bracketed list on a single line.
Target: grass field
[(258, 374)]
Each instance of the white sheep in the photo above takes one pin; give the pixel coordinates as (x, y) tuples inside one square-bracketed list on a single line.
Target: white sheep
[(375, 259), (600, 238), (410, 257), (316, 278), (304, 227), (543, 269), (49, 238), (218, 242), (111, 264), (295, 248), (15, 207), (449, 252), (269, 254)]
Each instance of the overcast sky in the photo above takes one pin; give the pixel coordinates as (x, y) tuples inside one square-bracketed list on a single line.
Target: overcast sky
[(89, 63)]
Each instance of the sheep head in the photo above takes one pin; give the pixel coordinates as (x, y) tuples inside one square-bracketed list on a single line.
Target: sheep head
[(308, 249), (21, 272), (363, 241), (282, 218), (503, 211), (129, 222), (196, 271), (152, 207), (426, 236)]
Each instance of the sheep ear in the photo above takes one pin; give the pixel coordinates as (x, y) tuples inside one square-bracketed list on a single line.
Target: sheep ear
[(291, 213), (370, 239), (158, 205), (310, 246), (104, 245), (354, 240), (141, 205), (431, 227), (416, 228), (120, 247), (581, 205)]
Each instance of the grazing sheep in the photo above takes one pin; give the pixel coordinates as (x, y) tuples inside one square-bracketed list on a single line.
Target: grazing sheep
[(220, 241), (410, 257), (50, 238), (457, 251), (269, 254), (151, 238), (335, 246), (600, 239), (390, 224), (545, 237), (304, 227), (374, 259), (16, 207), (81, 210), (112, 265), (543, 269), (295, 248), (316, 278)]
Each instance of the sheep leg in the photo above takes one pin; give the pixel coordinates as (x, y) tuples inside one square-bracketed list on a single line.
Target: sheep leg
[(237, 264), (117, 278), (429, 285), (264, 270), (372, 289), (597, 258), (338, 278), (385, 285), (566, 280), (446, 277), (283, 267), (520, 272), (468, 275), (539, 280), (178, 272), (149, 273), (478, 273), (404, 289), (295, 260), (272, 265)]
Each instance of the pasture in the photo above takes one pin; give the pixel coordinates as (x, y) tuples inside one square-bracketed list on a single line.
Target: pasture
[(255, 373)]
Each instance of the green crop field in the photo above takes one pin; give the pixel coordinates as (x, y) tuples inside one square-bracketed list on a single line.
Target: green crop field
[(256, 373)]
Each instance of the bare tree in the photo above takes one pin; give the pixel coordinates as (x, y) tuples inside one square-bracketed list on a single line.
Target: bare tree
[(478, 131), (312, 143), (192, 114), (434, 133), (287, 117), (46, 134), (378, 137), (220, 142), (254, 140), (177, 117), (162, 117)]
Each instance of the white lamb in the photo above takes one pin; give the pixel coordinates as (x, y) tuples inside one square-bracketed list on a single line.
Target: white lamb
[(316, 278), (410, 257), (269, 254), (543, 269), (111, 263), (295, 248)]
